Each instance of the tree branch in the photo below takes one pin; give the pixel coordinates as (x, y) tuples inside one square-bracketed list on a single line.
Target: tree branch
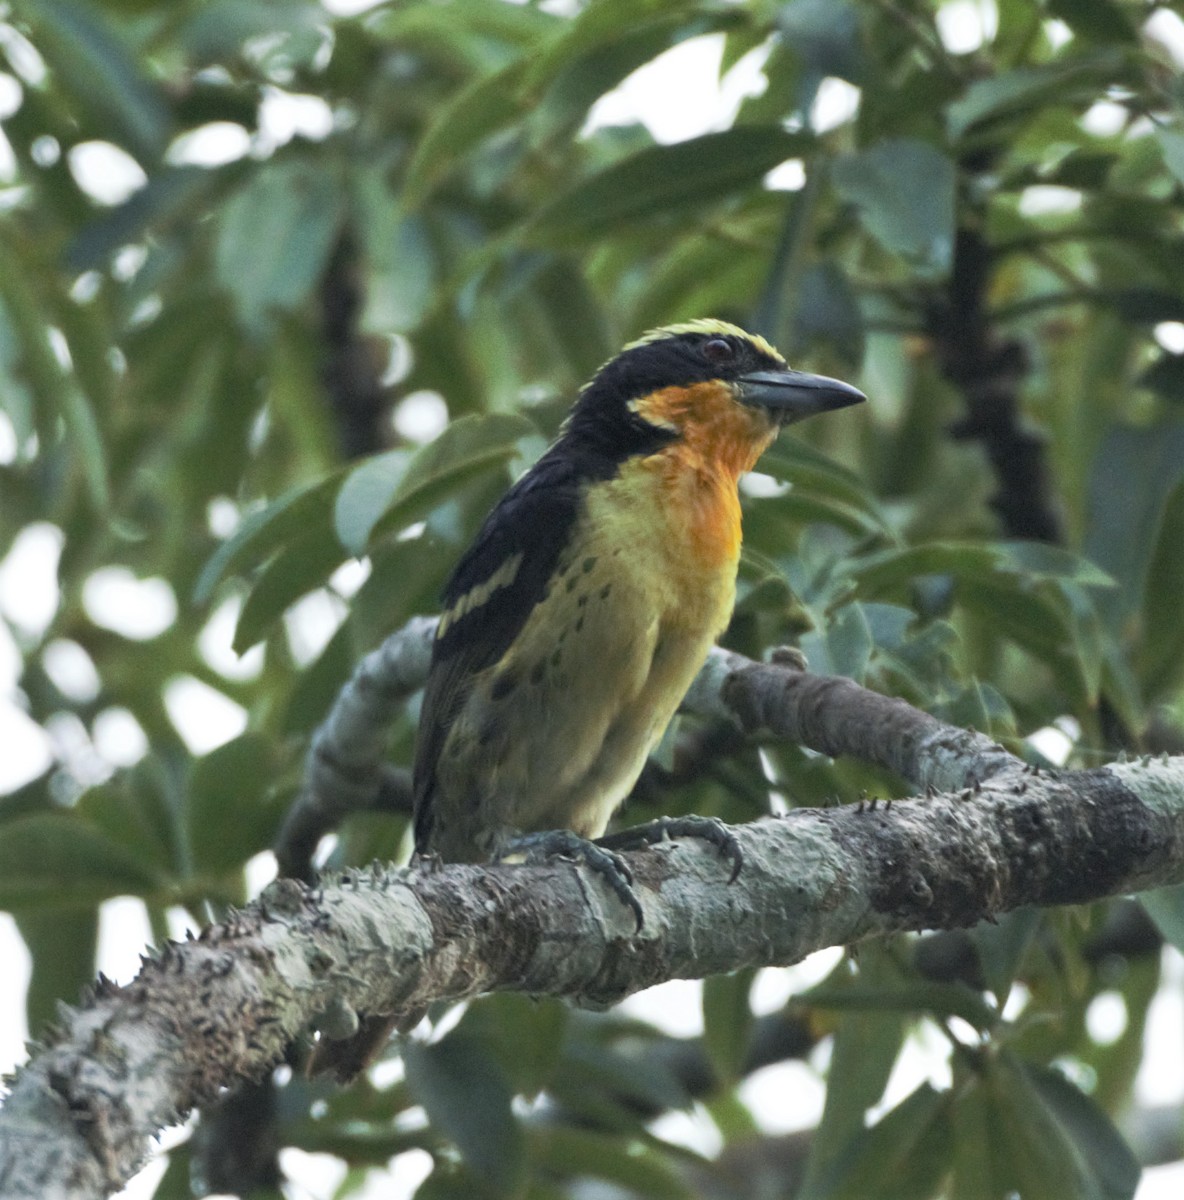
[(204, 1015)]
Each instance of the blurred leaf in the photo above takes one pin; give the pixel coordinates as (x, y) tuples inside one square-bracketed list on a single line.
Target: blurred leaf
[(1001, 947), (1165, 376), (1134, 472), (1102, 20), (658, 181), (227, 815), (940, 999), (53, 859), (824, 35), (171, 195), (827, 312), (866, 1046), (1025, 90), (525, 1034), (727, 1022), (1026, 1130), (905, 1155), (595, 25), (274, 236), (90, 61), (393, 490), (1171, 142), (318, 684), (56, 388), (1161, 655), (302, 565), (261, 532), (404, 268), (1165, 906), (575, 1153), (467, 1099), (62, 943), (471, 115), (1096, 1162), (904, 190)]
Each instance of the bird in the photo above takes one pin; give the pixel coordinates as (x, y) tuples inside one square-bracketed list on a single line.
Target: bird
[(574, 624)]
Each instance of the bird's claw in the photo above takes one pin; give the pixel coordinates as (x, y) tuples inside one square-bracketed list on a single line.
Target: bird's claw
[(708, 829), (563, 843)]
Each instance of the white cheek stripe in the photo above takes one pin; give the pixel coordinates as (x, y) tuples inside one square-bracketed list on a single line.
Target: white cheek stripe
[(478, 595)]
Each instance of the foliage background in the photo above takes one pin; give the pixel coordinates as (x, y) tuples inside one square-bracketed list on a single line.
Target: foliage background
[(219, 349)]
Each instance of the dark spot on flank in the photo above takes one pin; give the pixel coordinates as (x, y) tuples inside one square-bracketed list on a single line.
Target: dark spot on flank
[(589, 563), (536, 673), (579, 624), (582, 600), (503, 685), (487, 733), (604, 591), (571, 584), (556, 658)]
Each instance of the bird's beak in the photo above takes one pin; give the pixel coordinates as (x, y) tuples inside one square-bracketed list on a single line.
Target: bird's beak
[(793, 395)]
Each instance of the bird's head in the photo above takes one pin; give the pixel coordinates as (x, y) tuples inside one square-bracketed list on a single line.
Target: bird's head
[(721, 392)]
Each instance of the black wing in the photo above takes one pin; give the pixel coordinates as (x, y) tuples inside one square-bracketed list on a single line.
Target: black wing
[(535, 519)]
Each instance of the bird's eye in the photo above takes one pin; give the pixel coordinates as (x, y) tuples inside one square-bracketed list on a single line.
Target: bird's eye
[(719, 350)]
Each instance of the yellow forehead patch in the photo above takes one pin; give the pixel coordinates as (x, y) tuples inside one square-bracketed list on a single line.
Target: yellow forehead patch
[(706, 325)]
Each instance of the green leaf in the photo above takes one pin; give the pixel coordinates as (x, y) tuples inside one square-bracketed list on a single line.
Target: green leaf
[(468, 118), (404, 271), (1171, 143), (824, 35), (661, 180), (62, 943), (904, 1156), (1133, 474), (94, 66), (1089, 1157), (56, 389), (1026, 90), (827, 312), (727, 1022), (302, 565), (227, 813), (1001, 947), (866, 1046), (171, 195), (317, 685), (1161, 654), (1041, 560), (1165, 376), (1100, 20), (636, 1168), (467, 1098), (52, 859), (1165, 906), (274, 237), (940, 999), (262, 532), (592, 28), (904, 190), (1024, 1129), (393, 490)]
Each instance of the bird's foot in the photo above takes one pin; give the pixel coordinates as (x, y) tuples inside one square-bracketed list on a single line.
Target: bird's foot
[(709, 829), (563, 843)]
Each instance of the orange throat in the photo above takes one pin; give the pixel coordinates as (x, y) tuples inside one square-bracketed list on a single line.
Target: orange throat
[(720, 439)]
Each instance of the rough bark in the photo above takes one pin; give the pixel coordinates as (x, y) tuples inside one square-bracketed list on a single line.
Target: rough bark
[(204, 1015)]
